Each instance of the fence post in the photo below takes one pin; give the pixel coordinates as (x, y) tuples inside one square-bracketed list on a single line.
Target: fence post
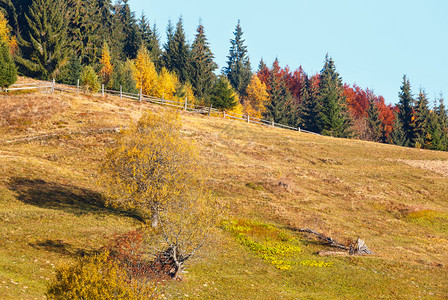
[(272, 124), (209, 110), (52, 86), (140, 95), (102, 90), (186, 102), (121, 92), (299, 129), (163, 98), (77, 87), (248, 118), (224, 113)]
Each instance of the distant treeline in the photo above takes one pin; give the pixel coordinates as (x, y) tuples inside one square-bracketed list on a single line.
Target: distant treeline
[(61, 38)]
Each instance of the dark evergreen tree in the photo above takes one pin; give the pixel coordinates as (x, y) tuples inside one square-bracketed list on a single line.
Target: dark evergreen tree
[(374, 124), (280, 97), (334, 117), (202, 65), (223, 96), (422, 121), (398, 135), (123, 77), (406, 110), (131, 32), (177, 52), (442, 120), (311, 106), (8, 71), (45, 45), (238, 69), (154, 48), (72, 71), (262, 65), (145, 30)]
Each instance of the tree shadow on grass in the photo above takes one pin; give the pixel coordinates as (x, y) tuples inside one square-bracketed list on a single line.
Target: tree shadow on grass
[(62, 247), (67, 198)]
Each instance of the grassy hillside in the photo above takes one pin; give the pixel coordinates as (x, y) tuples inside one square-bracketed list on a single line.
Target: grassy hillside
[(274, 182)]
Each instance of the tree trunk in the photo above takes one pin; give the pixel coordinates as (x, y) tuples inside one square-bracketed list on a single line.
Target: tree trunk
[(154, 219)]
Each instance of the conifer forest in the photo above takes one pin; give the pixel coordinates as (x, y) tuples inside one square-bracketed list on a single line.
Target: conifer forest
[(101, 42)]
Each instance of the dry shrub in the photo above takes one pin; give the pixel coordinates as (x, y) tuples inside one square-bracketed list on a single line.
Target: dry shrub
[(23, 111), (97, 277)]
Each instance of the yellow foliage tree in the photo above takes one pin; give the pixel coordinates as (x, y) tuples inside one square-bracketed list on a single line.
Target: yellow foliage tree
[(185, 91), (153, 169), (146, 76), (5, 35), (107, 69), (257, 97), (166, 84)]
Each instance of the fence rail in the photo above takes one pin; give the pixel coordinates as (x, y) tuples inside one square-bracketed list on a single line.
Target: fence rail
[(52, 86)]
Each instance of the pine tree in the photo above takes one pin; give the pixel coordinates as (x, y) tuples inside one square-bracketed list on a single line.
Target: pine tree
[(223, 96), (374, 123), (8, 71), (202, 65), (238, 69), (45, 48), (177, 52), (334, 117), (406, 110), (421, 121)]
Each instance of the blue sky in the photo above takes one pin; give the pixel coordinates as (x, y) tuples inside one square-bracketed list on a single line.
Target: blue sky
[(373, 43)]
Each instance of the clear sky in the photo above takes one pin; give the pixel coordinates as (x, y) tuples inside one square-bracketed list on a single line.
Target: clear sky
[(373, 43)]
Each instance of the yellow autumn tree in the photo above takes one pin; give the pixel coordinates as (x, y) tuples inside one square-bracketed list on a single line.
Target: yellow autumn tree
[(107, 69), (5, 35), (185, 91), (257, 97), (146, 76), (166, 85)]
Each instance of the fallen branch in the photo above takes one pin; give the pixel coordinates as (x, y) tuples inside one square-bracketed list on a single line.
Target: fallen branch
[(358, 248)]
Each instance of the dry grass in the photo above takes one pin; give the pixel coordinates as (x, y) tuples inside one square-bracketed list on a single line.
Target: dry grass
[(343, 188), (434, 166)]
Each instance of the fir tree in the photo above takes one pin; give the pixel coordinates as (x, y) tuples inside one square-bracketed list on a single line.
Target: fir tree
[(422, 121), (8, 71), (406, 110), (334, 117), (123, 77), (202, 64), (45, 46), (374, 124), (177, 52), (280, 97), (145, 30), (238, 69)]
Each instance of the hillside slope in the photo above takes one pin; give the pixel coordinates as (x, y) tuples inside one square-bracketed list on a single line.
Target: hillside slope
[(394, 198)]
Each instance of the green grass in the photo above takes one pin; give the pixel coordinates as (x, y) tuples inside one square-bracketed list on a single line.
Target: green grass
[(273, 182)]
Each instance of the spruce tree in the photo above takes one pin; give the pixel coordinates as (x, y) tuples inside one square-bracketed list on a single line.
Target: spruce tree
[(238, 69), (334, 117), (202, 65), (8, 71), (145, 30), (177, 52), (72, 71), (123, 77), (398, 135), (311, 106), (422, 121), (154, 48), (131, 32), (406, 110), (374, 124), (278, 107), (223, 96), (45, 47)]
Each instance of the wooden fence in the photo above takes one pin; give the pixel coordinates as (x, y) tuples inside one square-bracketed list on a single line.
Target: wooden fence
[(208, 110)]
